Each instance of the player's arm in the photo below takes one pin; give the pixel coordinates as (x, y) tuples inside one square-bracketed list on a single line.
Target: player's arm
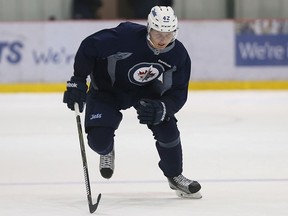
[(91, 49), (176, 96)]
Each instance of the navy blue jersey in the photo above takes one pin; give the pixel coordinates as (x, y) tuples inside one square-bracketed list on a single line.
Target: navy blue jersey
[(121, 61)]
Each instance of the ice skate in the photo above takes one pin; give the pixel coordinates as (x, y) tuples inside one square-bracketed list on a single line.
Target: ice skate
[(185, 188), (106, 165)]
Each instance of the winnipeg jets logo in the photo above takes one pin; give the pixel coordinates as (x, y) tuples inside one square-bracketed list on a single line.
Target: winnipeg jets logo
[(144, 73)]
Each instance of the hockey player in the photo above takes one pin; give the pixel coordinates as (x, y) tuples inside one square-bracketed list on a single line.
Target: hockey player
[(138, 66)]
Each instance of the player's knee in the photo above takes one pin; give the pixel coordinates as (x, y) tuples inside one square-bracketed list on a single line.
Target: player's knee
[(101, 139)]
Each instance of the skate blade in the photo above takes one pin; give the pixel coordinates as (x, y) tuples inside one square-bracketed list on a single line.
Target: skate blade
[(181, 194)]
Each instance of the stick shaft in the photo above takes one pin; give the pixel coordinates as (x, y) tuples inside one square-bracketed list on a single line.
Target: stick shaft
[(92, 207)]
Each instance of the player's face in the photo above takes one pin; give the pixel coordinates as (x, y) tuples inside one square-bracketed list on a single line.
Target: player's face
[(160, 39)]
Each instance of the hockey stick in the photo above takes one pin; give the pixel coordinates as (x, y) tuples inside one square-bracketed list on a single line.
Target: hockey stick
[(92, 207)]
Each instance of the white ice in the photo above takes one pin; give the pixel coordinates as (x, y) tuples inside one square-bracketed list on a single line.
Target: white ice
[(235, 143)]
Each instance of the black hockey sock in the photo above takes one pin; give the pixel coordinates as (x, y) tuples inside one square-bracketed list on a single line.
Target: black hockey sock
[(170, 160)]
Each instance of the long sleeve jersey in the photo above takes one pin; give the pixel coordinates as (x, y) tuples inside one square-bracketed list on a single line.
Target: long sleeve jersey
[(121, 61)]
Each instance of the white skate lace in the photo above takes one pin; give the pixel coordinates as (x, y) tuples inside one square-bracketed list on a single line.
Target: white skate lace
[(182, 181), (106, 161)]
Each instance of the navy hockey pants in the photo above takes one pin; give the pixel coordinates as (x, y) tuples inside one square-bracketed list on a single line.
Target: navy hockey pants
[(103, 118)]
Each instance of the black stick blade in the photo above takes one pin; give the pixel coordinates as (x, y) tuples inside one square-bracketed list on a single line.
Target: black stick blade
[(93, 207)]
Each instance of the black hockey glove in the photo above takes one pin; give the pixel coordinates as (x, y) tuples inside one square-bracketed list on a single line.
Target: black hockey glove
[(75, 93), (151, 111)]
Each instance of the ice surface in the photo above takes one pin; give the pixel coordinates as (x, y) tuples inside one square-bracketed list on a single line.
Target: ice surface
[(234, 143)]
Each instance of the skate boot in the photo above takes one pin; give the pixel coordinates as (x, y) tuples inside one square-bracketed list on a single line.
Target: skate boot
[(185, 188), (106, 165)]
